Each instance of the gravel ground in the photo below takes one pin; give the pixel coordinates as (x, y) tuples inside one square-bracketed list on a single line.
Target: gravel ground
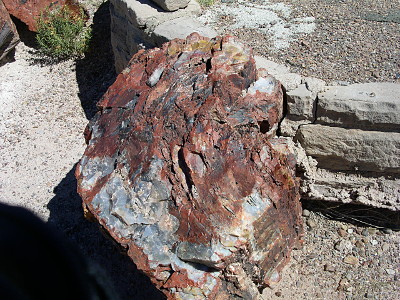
[(45, 108), (353, 40)]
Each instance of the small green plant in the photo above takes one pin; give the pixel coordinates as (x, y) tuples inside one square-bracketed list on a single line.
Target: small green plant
[(61, 33), (205, 3)]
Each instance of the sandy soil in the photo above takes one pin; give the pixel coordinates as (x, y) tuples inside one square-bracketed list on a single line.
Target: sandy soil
[(43, 112)]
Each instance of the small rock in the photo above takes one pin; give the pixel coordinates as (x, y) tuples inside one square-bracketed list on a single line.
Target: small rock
[(306, 213), (365, 232), (343, 245), (359, 244), (374, 242), (351, 260), (350, 230), (387, 230), (372, 231), (329, 268), (369, 295), (343, 226), (390, 271), (278, 294), (342, 232), (311, 223), (385, 247)]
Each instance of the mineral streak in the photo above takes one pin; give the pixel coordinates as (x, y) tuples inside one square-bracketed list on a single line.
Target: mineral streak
[(182, 170)]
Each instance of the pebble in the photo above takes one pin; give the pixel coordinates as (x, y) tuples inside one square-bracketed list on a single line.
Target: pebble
[(374, 242), (278, 294), (343, 226), (390, 271), (306, 213), (385, 247), (387, 230), (329, 268), (351, 260), (372, 231), (365, 232), (350, 230), (342, 232), (359, 244), (311, 223)]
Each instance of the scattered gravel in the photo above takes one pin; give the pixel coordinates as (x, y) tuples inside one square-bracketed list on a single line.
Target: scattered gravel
[(353, 40), (44, 109)]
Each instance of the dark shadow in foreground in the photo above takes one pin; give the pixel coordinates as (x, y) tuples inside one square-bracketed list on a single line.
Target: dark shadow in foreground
[(112, 267), (95, 73)]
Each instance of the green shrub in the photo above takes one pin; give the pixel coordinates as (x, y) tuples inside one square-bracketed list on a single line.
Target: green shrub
[(205, 3), (62, 34)]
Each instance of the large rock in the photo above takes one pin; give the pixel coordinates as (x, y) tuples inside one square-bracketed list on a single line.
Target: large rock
[(137, 25), (343, 149), (28, 11), (181, 170), (8, 33), (373, 106), (171, 5), (180, 28)]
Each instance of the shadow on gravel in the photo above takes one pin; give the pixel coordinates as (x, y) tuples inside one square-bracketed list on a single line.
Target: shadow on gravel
[(95, 73), (114, 269), (359, 215)]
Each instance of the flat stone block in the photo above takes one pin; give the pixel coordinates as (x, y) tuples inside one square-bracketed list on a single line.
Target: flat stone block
[(337, 148), (180, 28), (171, 5), (373, 106)]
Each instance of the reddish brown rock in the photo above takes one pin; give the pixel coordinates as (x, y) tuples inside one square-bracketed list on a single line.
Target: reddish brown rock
[(28, 11), (182, 170), (8, 33)]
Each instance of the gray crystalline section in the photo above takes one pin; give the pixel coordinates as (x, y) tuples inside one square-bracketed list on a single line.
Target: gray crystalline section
[(94, 169)]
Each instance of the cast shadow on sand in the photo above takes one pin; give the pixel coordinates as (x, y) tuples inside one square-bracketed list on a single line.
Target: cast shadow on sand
[(95, 72), (114, 269)]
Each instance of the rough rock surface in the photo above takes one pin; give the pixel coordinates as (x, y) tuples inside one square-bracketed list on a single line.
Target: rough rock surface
[(28, 11), (343, 149), (8, 33), (180, 28), (368, 106), (182, 170), (171, 5), (139, 25)]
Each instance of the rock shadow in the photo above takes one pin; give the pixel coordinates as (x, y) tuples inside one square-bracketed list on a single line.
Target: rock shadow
[(356, 214), (113, 269), (95, 72)]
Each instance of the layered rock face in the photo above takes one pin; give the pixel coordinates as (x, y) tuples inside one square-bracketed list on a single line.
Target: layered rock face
[(182, 168), (28, 11), (8, 33)]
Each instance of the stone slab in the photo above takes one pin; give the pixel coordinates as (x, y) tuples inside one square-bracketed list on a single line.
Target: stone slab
[(171, 5), (301, 103), (180, 28), (355, 150), (372, 106)]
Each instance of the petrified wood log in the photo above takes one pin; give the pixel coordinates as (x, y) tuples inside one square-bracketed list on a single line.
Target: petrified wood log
[(9, 37), (180, 170), (28, 11)]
